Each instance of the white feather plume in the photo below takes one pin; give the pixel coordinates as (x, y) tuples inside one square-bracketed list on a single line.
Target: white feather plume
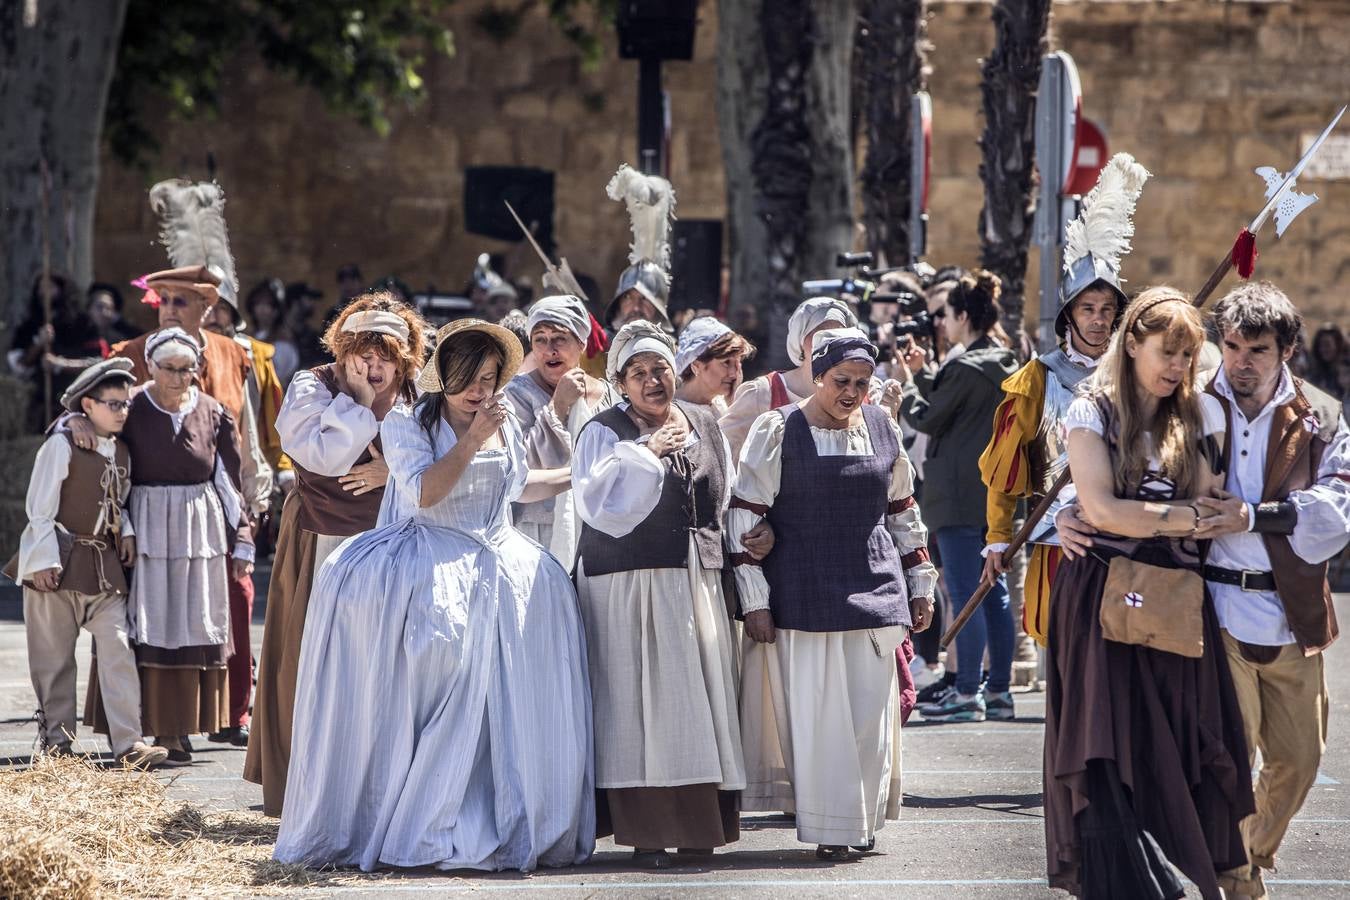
[(651, 209), (1105, 225), (192, 227)]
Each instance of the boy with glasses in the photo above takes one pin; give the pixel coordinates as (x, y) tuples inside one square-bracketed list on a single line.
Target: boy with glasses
[(70, 563)]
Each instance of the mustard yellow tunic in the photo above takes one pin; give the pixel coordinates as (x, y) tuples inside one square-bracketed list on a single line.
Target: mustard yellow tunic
[(1005, 467)]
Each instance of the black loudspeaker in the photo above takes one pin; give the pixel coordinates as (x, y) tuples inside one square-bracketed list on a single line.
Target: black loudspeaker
[(487, 190), (696, 264), (656, 29)]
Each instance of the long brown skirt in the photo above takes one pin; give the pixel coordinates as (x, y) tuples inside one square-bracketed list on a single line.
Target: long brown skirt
[(269, 741), (694, 816), (173, 701), (1164, 736)]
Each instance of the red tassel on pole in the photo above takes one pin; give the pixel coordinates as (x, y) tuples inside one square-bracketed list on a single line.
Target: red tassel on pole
[(598, 341), (1244, 254)]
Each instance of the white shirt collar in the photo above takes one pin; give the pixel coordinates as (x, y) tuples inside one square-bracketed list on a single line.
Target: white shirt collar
[(1077, 358), (1284, 391)]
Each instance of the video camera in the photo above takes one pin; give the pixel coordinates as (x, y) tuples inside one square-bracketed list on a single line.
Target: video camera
[(904, 311)]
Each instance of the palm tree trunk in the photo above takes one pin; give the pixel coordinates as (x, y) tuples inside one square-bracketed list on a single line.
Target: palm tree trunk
[(1010, 76), (783, 114), (892, 67)]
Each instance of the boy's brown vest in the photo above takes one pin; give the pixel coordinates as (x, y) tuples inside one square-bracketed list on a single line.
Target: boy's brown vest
[(1293, 457), (93, 566)]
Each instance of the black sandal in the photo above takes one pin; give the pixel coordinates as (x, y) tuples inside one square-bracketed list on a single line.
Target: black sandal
[(832, 852), (865, 848)]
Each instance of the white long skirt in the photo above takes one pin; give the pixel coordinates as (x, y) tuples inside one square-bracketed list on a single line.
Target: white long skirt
[(663, 678), (820, 718)]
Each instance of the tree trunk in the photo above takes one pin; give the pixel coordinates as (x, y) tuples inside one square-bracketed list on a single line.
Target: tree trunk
[(892, 68), (783, 113), (1010, 76), (54, 78)]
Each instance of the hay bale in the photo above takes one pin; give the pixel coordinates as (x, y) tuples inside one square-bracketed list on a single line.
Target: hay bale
[(120, 828), (36, 866)]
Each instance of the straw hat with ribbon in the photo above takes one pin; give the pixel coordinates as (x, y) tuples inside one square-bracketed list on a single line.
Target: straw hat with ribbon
[(429, 381)]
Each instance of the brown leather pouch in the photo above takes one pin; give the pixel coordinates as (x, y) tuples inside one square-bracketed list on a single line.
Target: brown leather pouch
[(1154, 607)]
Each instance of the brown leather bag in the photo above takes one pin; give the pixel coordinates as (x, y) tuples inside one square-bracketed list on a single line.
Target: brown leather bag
[(1154, 607)]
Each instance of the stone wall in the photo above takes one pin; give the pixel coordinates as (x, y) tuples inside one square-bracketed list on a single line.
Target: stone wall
[(1200, 91)]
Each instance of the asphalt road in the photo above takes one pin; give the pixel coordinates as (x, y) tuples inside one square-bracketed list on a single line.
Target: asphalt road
[(971, 827)]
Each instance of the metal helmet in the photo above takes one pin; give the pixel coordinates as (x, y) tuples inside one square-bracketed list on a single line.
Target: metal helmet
[(648, 279), (1099, 238), (1084, 273)]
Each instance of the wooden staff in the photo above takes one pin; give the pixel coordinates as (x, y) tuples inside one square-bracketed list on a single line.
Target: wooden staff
[(46, 181)]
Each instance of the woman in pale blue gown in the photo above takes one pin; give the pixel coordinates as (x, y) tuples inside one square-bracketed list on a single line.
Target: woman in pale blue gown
[(442, 713)]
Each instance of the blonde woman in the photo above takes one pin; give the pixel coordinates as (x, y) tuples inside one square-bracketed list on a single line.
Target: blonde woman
[(1145, 758)]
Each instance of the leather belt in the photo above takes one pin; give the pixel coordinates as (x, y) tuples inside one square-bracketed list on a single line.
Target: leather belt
[(1247, 579)]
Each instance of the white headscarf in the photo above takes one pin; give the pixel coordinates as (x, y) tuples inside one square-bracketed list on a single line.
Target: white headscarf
[(169, 342), (635, 338), (697, 337), (809, 316), (563, 310)]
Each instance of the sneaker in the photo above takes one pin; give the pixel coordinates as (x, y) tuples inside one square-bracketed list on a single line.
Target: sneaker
[(956, 707), (937, 699), (998, 707), (934, 691), (143, 756)]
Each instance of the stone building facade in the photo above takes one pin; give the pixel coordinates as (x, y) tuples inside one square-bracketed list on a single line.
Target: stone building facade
[(1200, 91)]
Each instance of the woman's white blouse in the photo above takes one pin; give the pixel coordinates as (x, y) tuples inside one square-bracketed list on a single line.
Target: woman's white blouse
[(323, 432)]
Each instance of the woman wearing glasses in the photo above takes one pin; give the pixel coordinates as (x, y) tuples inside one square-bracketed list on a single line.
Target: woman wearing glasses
[(191, 528)]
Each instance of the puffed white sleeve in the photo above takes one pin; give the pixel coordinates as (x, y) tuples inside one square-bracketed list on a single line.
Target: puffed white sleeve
[(322, 432), (520, 463), (1083, 413), (408, 450), (616, 484), (905, 524), (38, 548), (1323, 526), (757, 482), (752, 400)]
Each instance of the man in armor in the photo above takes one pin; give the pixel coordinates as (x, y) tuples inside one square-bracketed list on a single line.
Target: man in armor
[(1027, 451), (644, 287)]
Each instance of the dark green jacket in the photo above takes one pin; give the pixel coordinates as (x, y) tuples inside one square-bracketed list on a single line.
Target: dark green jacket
[(955, 408)]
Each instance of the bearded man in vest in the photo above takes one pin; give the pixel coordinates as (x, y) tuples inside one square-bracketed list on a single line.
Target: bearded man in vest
[(1285, 514)]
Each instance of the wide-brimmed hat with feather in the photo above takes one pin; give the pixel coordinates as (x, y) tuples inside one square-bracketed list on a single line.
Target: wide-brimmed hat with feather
[(192, 229)]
